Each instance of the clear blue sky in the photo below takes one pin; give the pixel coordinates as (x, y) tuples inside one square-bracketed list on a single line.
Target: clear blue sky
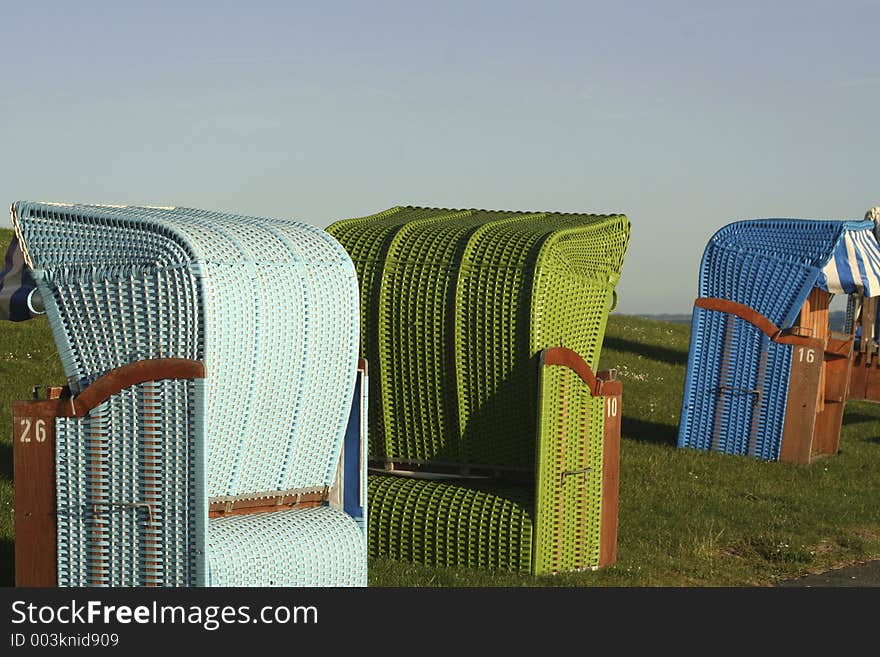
[(683, 115)]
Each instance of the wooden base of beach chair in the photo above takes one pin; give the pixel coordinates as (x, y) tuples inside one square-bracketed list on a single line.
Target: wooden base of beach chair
[(561, 516), (34, 436), (33, 423), (819, 381)]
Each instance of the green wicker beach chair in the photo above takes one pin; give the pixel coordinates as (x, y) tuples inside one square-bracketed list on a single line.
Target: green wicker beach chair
[(484, 457)]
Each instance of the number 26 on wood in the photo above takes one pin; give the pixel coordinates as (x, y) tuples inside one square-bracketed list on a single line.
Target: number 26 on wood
[(39, 428)]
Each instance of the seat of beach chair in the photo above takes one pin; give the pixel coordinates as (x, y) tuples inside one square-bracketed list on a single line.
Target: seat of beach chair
[(286, 548), (451, 523)]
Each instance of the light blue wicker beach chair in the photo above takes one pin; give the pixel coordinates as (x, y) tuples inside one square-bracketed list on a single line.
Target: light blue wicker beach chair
[(766, 376), (211, 432)]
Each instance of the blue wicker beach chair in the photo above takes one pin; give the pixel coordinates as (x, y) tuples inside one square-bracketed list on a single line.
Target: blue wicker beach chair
[(766, 376), (210, 432)]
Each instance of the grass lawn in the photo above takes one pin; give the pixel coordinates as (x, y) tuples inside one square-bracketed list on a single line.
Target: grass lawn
[(27, 358), (691, 518), (686, 518)]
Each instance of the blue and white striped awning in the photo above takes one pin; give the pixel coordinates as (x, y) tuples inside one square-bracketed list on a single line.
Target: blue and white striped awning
[(854, 266)]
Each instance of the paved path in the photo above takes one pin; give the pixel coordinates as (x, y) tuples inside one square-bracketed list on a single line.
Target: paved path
[(866, 574)]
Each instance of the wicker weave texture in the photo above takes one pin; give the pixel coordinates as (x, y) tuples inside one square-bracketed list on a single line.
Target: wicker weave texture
[(269, 305), (457, 303), (128, 512), (318, 546), (366, 240), (736, 388), (769, 265), (569, 477), (553, 285), (737, 379), (451, 524)]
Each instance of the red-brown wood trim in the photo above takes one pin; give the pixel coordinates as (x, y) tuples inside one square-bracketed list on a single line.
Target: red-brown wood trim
[(217, 509), (572, 360), (608, 387), (304, 504), (33, 456), (612, 392), (43, 408), (839, 347), (57, 392), (799, 425), (753, 317), (113, 382)]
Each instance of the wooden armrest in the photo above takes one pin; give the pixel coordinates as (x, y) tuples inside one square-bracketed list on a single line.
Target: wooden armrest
[(754, 318), (113, 382)]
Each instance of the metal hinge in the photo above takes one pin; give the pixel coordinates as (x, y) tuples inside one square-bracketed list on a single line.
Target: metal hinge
[(568, 473)]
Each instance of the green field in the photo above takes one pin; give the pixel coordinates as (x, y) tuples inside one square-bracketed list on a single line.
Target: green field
[(27, 358), (690, 518), (686, 518)]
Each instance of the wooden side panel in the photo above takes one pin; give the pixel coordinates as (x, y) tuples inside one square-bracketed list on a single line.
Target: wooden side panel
[(838, 369), (827, 433), (865, 377), (815, 314), (858, 385), (814, 322), (800, 411), (35, 524), (613, 393), (872, 378), (866, 320), (858, 382)]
